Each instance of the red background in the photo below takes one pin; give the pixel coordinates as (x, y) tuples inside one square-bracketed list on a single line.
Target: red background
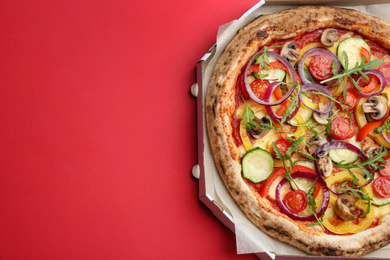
[(98, 129)]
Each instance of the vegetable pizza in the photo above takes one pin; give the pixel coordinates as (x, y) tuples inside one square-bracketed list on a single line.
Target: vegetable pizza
[(297, 112)]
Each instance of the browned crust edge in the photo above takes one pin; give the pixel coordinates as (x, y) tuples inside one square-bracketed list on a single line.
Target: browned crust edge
[(220, 105)]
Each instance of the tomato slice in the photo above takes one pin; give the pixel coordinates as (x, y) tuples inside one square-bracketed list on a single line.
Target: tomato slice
[(369, 85), (295, 201), (342, 128), (280, 171), (385, 171), (366, 53), (352, 100), (381, 186), (321, 67), (259, 87), (282, 145), (385, 70)]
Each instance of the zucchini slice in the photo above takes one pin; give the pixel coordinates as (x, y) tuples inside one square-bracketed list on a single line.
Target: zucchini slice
[(353, 48), (273, 74), (304, 114), (378, 201), (345, 156), (257, 165), (308, 164)]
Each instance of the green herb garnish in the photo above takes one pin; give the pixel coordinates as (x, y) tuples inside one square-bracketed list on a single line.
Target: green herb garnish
[(296, 146), (358, 69), (359, 194), (250, 120), (313, 208), (383, 127), (263, 61), (371, 162)]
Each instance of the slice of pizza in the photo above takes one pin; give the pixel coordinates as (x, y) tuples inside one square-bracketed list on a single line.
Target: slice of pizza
[(297, 112)]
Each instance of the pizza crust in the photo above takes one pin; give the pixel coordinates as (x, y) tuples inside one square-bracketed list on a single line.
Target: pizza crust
[(220, 104)]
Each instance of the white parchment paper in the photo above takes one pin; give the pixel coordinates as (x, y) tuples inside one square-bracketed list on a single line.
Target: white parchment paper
[(248, 237)]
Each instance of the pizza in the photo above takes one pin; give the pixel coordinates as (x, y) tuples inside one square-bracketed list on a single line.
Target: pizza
[(297, 112)]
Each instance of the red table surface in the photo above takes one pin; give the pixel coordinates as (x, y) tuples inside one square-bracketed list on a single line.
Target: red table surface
[(98, 129)]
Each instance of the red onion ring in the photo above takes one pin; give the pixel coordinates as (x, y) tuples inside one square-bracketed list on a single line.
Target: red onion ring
[(382, 81), (283, 208), (269, 109), (318, 88), (341, 145), (313, 52), (290, 71), (384, 133)]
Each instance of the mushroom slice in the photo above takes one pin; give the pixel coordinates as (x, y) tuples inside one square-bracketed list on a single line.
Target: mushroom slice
[(289, 51), (376, 106), (325, 164), (329, 37), (316, 142), (257, 132), (344, 207), (372, 151), (320, 117)]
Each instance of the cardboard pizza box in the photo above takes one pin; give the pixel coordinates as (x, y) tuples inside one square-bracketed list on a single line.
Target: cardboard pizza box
[(212, 191)]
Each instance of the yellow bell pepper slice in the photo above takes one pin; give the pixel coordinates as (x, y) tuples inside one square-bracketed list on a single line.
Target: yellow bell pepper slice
[(309, 103), (311, 46), (347, 226), (386, 91), (298, 117), (361, 121), (245, 138)]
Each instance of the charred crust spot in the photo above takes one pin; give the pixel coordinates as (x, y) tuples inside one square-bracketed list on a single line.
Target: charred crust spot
[(273, 28), (222, 168), (310, 21), (277, 230), (215, 115), (329, 251), (262, 34), (237, 192)]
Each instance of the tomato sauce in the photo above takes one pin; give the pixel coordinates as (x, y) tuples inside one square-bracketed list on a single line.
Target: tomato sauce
[(376, 49), (307, 38)]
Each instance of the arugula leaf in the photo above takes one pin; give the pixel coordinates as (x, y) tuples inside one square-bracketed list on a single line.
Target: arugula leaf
[(249, 118), (383, 127), (359, 194), (263, 61), (313, 207), (277, 151), (371, 162), (330, 120), (359, 68), (284, 158), (342, 104)]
